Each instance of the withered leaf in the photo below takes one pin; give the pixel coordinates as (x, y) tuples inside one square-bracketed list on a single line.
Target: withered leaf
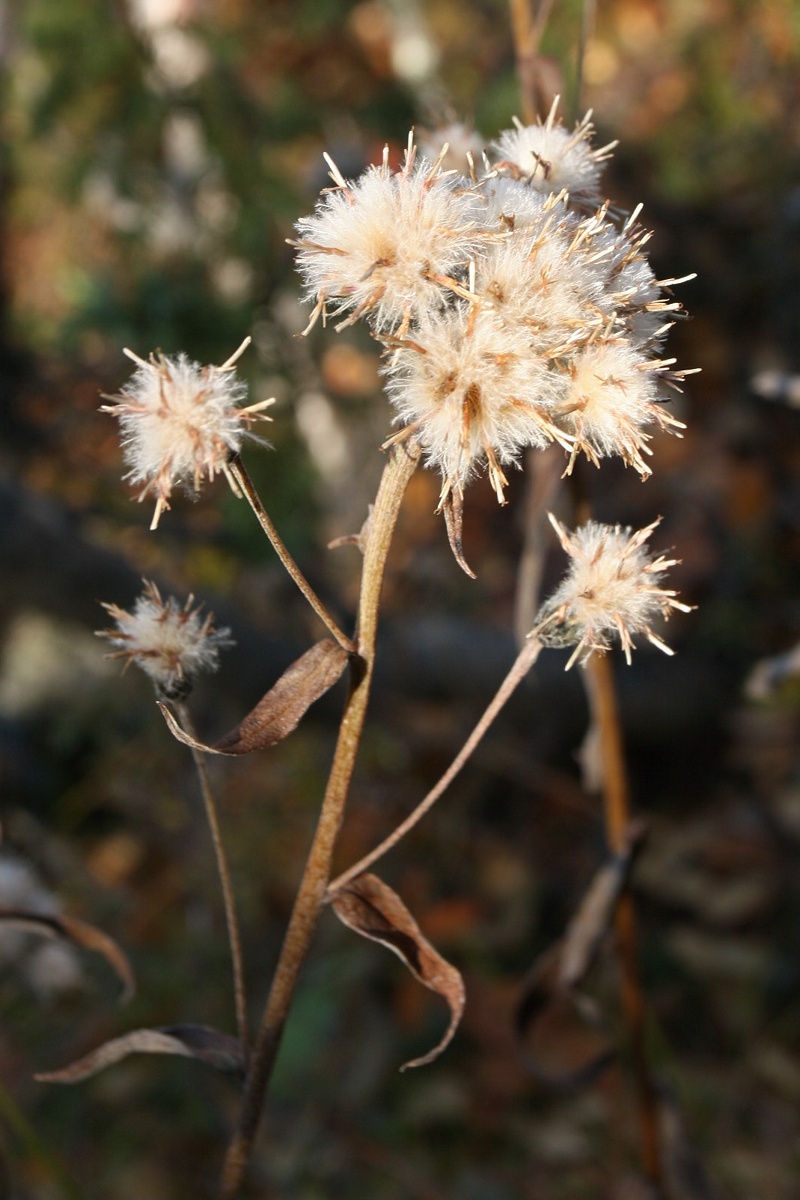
[(209, 1046), (282, 708), (453, 508), (372, 909), (80, 934), (592, 921), (550, 989)]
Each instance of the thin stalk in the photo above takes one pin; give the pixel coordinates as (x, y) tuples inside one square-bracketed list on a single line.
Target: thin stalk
[(527, 32), (311, 895), (240, 475), (519, 669), (617, 812), (587, 31), (234, 940)]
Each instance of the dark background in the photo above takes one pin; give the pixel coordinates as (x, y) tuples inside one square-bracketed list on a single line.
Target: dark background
[(154, 159)]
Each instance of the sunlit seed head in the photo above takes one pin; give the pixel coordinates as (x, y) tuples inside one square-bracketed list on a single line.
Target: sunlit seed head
[(171, 642), (549, 158), (611, 592), (388, 246), (612, 404), (465, 148), (180, 423), (473, 395)]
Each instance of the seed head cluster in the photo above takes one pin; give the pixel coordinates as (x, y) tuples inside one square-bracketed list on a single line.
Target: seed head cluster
[(611, 591), (517, 310), (170, 641)]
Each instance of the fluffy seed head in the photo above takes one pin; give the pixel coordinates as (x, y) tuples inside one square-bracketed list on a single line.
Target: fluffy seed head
[(610, 591), (388, 245), (611, 401), (171, 642), (550, 158), (472, 393), (180, 423)]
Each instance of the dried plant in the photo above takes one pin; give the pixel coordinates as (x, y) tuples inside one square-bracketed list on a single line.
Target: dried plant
[(517, 310)]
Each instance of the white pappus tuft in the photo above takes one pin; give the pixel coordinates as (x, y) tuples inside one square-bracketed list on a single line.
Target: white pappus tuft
[(550, 159), (170, 641), (181, 423), (612, 590)]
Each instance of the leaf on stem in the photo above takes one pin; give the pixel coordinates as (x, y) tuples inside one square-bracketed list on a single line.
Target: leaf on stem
[(372, 909), (280, 711), (550, 989), (80, 934), (209, 1046)]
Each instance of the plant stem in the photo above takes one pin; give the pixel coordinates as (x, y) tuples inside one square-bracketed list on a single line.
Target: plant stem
[(527, 32), (616, 800), (242, 478), (234, 940), (519, 669), (311, 895)]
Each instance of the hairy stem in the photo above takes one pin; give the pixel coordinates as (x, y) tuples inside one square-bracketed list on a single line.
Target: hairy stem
[(234, 940), (522, 664), (605, 714), (311, 894), (242, 478)]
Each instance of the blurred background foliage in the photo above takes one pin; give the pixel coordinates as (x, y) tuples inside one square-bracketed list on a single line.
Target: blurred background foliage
[(155, 154)]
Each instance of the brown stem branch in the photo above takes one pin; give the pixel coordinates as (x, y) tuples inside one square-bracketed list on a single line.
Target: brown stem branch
[(242, 478), (605, 715), (234, 940), (519, 669), (311, 894), (527, 32)]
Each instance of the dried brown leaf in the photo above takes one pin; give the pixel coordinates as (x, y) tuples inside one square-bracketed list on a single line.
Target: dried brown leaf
[(550, 989), (280, 711), (80, 934), (372, 909), (592, 921), (209, 1046)]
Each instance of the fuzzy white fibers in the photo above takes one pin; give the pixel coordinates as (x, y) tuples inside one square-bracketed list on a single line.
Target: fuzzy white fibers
[(550, 158), (386, 246), (611, 403), (180, 423), (171, 642), (471, 392), (611, 591)]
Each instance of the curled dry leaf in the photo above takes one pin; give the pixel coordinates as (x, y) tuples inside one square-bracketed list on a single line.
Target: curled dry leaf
[(282, 708), (372, 909), (550, 991), (209, 1046), (80, 934)]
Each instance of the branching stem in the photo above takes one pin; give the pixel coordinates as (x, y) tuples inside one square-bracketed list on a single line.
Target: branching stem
[(242, 478), (311, 895), (522, 664)]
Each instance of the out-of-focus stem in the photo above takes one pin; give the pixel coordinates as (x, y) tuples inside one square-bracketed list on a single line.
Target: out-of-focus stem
[(242, 478), (527, 32), (234, 940), (605, 714), (311, 895), (519, 669)]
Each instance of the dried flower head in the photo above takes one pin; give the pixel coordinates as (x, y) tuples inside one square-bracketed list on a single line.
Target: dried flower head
[(611, 591), (387, 246), (551, 159), (171, 642), (181, 423)]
